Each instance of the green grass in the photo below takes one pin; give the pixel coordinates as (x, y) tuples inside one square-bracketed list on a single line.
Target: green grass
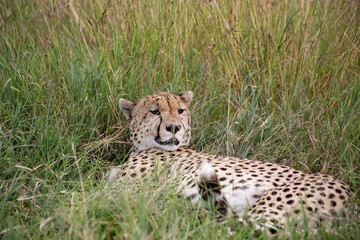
[(275, 81)]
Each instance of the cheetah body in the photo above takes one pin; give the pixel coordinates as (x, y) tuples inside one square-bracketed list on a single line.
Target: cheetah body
[(160, 132)]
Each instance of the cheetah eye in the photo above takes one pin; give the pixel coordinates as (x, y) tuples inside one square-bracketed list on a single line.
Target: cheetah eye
[(155, 112), (180, 111)]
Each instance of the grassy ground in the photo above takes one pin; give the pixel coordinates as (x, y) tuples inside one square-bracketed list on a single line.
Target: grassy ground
[(276, 81)]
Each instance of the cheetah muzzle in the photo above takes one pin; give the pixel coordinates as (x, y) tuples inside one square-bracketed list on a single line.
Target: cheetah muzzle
[(160, 130)]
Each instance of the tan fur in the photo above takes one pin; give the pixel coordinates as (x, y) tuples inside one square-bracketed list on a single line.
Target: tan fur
[(271, 193)]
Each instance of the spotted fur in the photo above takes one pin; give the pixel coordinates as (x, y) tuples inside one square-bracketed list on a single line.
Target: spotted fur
[(270, 193)]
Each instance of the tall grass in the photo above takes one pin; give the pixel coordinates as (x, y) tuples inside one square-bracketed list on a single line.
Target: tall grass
[(273, 80)]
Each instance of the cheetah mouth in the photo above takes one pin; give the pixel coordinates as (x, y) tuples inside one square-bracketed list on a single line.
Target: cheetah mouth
[(172, 141)]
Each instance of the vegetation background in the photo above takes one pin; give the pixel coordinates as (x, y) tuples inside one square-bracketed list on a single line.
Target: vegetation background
[(276, 81)]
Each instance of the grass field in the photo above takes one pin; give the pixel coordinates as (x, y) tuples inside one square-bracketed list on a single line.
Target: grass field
[(276, 81)]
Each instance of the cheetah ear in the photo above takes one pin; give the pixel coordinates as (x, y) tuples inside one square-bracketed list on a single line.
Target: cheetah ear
[(187, 97), (126, 107)]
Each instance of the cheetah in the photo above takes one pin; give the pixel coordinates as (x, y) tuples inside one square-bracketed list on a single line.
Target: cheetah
[(262, 193)]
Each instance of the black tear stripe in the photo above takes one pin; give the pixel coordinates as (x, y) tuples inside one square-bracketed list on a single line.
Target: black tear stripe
[(181, 121), (185, 111), (158, 129), (182, 124)]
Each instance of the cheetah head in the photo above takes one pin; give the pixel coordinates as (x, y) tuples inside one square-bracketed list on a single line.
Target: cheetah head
[(159, 121)]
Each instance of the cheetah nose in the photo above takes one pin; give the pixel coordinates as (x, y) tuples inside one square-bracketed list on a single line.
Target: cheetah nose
[(173, 128)]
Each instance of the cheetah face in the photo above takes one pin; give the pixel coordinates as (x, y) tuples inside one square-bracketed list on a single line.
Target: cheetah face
[(159, 121)]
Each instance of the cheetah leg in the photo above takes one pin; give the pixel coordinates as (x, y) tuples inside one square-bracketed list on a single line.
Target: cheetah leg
[(210, 189)]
